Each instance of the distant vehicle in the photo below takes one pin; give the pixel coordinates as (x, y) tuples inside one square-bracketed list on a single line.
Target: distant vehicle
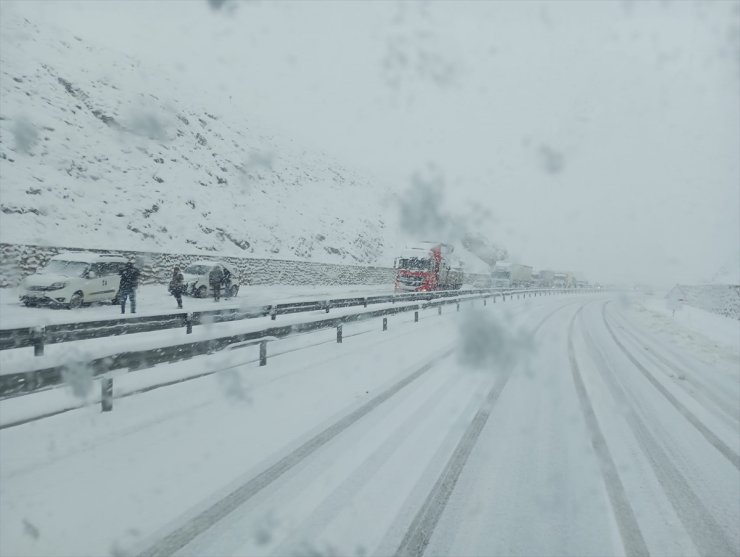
[(197, 284), (543, 278), (73, 279), (426, 267), (511, 275), (563, 279)]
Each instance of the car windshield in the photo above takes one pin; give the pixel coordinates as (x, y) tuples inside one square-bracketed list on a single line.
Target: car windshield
[(383, 337), (66, 268), (198, 269)]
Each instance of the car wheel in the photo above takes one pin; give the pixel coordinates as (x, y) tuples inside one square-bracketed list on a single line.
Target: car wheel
[(233, 291), (202, 291), (76, 300)]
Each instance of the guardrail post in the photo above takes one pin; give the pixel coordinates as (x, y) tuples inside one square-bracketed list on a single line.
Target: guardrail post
[(189, 322), (38, 334), (416, 317), (263, 353), (439, 309), (385, 323), (106, 394), (339, 333)]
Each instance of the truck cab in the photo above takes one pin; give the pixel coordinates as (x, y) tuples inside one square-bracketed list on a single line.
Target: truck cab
[(427, 267)]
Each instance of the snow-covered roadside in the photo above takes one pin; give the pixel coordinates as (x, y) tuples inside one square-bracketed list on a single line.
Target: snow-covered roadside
[(154, 300), (86, 390), (20, 359), (688, 324)]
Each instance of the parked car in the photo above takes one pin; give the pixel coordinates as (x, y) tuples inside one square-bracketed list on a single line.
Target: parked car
[(197, 284), (73, 279)]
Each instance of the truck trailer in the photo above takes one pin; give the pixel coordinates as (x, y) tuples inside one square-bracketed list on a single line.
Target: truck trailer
[(563, 279), (511, 275)]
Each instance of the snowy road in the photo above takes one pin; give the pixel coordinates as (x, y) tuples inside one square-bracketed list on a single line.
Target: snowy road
[(560, 426)]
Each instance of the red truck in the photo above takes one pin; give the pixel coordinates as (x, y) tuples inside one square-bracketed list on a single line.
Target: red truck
[(427, 267)]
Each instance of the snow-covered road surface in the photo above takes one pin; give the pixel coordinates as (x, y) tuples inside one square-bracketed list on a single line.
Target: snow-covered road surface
[(551, 426)]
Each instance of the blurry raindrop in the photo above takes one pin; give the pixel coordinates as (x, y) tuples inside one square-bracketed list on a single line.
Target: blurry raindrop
[(489, 344), (226, 6), (421, 206), (117, 551), (30, 530), (415, 52), (264, 528), (79, 378), (553, 161), (25, 134), (481, 246), (231, 384), (261, 160), (308, 550), (147, 124), (262, 536)]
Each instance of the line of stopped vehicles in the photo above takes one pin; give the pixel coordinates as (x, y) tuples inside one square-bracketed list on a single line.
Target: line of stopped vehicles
[(75, 279), (431, 266)]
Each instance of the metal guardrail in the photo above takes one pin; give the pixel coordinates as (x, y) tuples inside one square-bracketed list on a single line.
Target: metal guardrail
[(38, 337), (30, 381)]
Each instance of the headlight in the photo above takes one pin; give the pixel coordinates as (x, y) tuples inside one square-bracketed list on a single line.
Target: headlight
[(57, 285)]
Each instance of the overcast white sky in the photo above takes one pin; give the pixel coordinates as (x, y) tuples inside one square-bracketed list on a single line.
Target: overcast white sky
[(603, 137)]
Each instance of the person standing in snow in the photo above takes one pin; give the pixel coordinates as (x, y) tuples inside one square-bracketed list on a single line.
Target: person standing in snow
[(227, 282), (128, 285), (176, 285), (215, 278)]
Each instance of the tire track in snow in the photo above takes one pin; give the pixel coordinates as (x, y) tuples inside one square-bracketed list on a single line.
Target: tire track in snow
[(363, 475), (180, 537), (707, 535), (422, 527), (708, 434), (629, 530), (701, 390)]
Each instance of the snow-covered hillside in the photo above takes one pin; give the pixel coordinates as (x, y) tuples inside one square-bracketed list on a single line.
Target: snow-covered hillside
[(99, 150), (722, 299)]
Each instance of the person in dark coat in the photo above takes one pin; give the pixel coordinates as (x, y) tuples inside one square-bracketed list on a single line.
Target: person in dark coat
[(128, 285), (177, 285), (227, 282), (215, 278)]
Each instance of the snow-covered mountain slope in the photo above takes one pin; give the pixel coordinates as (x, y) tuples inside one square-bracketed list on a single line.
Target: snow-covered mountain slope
[(97, 150), (722, 299)]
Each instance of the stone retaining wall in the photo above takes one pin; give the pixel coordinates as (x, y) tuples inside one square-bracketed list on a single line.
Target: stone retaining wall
[(18, 261)]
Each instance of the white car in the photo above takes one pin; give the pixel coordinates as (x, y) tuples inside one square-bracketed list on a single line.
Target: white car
[(198, 285), (73, 279)]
